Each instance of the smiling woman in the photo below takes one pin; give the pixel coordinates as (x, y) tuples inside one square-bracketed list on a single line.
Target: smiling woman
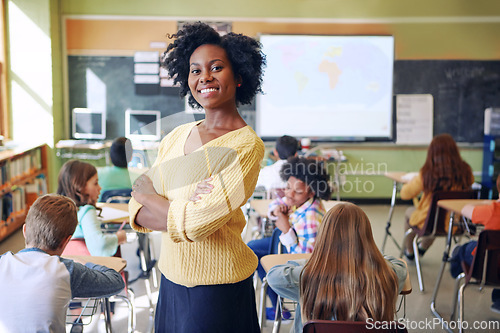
[(204, 173)]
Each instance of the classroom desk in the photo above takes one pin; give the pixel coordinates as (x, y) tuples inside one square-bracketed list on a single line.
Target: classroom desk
[(454, 206), (272, 260), (118, 206), (397, 178), (118, 264)]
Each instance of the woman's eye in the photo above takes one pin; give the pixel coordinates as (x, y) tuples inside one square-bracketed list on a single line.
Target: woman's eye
[(216, 68), (195, 71)]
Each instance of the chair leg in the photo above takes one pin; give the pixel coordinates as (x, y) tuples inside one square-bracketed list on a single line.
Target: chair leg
[(153, 256), (131, 309), (262, 307), (277, 317), (417, 264), (458, 281), (461, 307), (402, 252)]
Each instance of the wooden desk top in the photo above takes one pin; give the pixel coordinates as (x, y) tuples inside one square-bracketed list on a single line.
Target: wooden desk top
[(261, 206), (456, 205), (118, 264), (120, 206), (272, 260), (398, 176), (115, 206)]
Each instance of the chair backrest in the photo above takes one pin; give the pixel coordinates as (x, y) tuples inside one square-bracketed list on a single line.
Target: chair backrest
[(76, 247), (122, 192), (486, 262), (335, 326), (276, 247), (435, 222)]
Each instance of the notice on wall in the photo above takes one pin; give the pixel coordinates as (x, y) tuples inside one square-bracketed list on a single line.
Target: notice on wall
[(414, 119)]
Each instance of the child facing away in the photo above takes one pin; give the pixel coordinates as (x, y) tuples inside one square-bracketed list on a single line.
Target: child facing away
[(443, 170), (489, 216), (269, 176), (36, 284), (116, 177), (346, 278), (298, 214), (79, 181)]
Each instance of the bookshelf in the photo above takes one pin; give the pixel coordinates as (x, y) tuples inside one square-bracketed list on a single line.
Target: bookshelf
[(23, 177)]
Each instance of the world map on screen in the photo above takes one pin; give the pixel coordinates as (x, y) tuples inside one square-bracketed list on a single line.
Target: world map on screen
[(335, 78)]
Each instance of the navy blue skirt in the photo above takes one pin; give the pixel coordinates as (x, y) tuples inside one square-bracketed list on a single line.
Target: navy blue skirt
[(212, 308)]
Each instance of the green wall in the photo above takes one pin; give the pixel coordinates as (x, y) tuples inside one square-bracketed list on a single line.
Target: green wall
[(445, 29)]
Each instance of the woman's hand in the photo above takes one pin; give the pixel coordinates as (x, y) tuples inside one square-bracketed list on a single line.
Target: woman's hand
[(142, 189), (203, 187)]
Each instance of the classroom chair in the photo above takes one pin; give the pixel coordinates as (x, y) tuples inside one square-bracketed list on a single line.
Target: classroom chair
[(275, 248), (122, 195), (434, 226), (78, 247), (484, 271), (145, 249), (336, 326)]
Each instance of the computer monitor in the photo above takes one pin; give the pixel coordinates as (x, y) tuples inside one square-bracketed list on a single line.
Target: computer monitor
[(88, 124), (143, 125)]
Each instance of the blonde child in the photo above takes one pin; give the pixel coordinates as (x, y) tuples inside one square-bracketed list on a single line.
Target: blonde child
[(346, 278)]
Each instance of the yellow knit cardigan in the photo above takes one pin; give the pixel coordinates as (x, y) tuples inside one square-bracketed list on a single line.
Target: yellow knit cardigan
[(203, 244)]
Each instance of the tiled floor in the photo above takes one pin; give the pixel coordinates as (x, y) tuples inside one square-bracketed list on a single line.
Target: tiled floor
[(418, 315)]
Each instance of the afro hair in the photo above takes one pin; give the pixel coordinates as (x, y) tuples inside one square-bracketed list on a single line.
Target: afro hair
[(244, 53)]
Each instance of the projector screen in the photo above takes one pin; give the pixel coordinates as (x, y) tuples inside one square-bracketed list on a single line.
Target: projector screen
[(327, 88)]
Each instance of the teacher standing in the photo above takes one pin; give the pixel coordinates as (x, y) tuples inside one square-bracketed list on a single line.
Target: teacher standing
[(205, 171)]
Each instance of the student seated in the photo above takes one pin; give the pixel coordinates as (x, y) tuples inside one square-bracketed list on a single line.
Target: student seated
[(489, 216), (269, 176), (79, 181), (116, 177), (298, 214), (346, 278), (443, 170), (36, 284)]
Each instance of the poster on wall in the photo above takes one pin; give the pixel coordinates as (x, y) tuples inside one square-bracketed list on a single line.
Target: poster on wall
[(414, 118), (222, 28)]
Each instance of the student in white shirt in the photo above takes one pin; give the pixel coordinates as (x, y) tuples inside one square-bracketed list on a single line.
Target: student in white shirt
[(269, 176)]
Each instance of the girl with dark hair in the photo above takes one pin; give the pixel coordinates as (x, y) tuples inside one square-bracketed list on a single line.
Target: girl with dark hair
[(297, 215), (79, 181), (443, 170), (346, 278), (205, 171), (116, 176)]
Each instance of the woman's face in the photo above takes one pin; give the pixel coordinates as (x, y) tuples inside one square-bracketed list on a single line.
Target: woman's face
[(297, 192), (92, 189), (211, 78)]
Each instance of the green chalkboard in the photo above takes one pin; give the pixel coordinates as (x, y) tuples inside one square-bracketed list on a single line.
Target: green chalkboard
[(110, 80), (461, 89)]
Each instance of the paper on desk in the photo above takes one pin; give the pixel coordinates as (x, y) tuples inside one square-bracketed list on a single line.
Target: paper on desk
[(409, 176), (109, 214)]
